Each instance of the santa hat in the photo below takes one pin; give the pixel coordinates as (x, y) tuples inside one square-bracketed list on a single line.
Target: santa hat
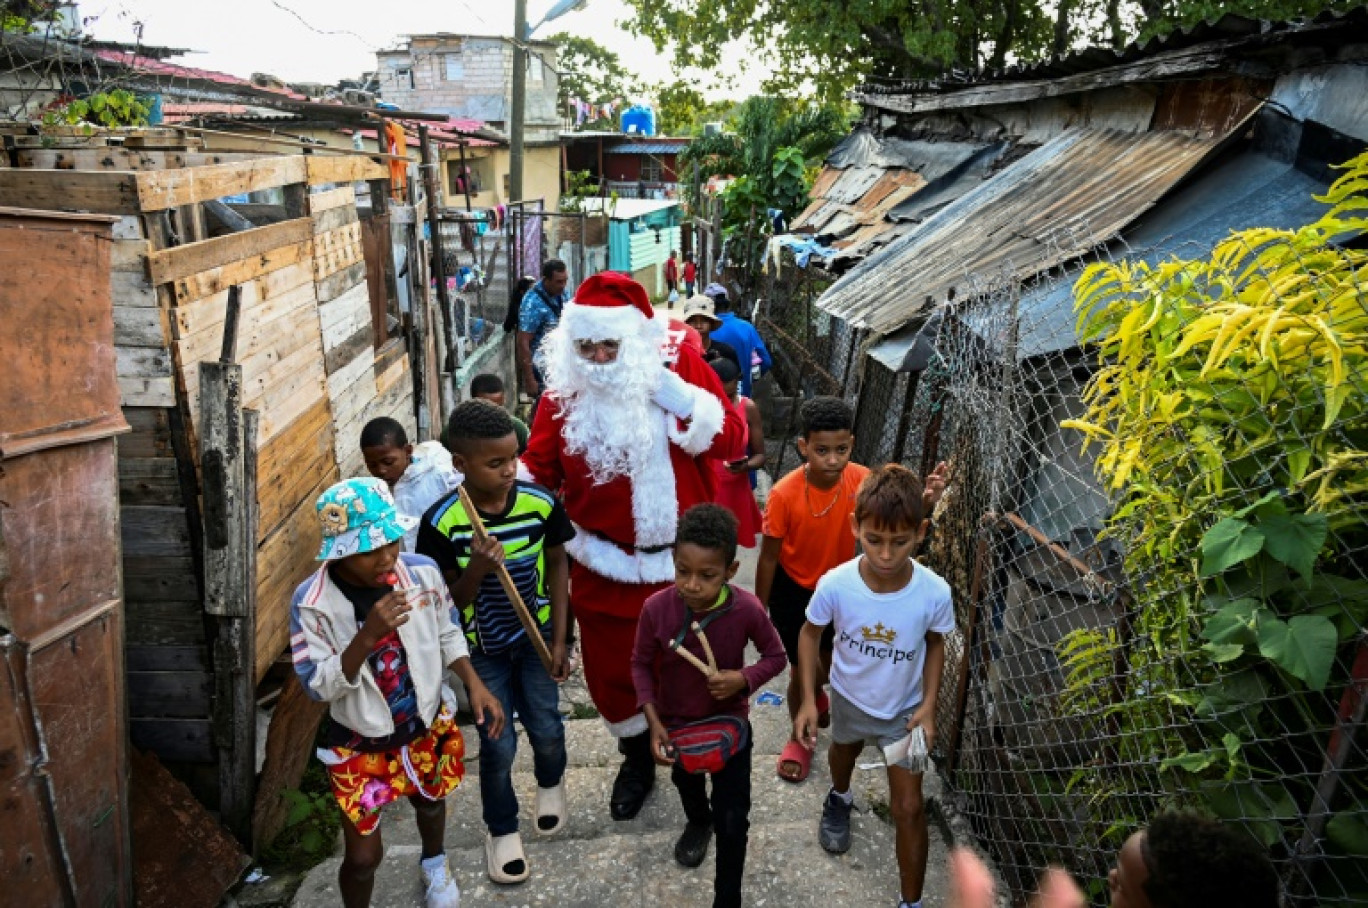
[(607, 306)]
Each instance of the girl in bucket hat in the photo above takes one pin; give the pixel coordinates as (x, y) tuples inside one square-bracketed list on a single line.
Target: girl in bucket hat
[(370, 634)]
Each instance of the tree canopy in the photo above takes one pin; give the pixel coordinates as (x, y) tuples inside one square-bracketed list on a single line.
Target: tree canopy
[(591, 72), (681, 110), (829, 46), (770, 150)]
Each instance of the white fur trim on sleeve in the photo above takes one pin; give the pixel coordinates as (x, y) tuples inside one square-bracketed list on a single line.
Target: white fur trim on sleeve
[(703, 426), (607, 560), (627, 728)]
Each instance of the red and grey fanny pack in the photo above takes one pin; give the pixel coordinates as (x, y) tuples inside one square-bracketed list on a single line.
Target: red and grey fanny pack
[(707, 745)]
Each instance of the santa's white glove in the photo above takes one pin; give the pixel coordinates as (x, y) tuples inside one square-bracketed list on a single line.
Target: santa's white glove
[(674, 395)]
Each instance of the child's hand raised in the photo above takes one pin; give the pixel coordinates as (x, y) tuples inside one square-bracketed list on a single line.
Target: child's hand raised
[(934, 487), (386, 615), (726, 684), (485, 555)]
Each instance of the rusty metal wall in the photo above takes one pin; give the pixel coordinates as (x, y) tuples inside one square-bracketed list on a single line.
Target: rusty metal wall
[(63, 729)]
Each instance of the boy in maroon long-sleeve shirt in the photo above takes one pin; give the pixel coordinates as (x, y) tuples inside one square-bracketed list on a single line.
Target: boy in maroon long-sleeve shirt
[(673, 692)]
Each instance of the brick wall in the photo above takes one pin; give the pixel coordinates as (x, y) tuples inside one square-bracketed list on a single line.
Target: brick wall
[(467, 77)]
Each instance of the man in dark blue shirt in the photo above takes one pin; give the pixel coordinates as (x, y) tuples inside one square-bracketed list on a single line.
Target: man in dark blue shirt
[(538, 313)]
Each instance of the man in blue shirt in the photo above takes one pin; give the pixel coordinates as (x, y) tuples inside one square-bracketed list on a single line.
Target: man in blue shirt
[(538, 313), (740, 335)]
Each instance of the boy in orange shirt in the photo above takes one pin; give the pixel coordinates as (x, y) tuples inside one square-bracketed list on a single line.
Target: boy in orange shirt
[(807, 532)]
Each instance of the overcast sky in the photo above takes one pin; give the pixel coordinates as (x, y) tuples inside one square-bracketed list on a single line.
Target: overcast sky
[(327, 40)]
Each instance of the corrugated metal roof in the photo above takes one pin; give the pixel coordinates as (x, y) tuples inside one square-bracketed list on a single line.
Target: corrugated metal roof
[(1070, 195), (175, 112), (157, 67), (626, 209), (867, 179), (647, 148), (1229, 28), (1249, 190)]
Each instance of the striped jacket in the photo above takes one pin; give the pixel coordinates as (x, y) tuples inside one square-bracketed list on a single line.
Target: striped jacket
[(323, 623)]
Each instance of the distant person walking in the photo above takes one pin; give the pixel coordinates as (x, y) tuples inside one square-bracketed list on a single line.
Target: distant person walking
[(539, 312), (690, 275), (698, 315), (672, 272), (741, 336)]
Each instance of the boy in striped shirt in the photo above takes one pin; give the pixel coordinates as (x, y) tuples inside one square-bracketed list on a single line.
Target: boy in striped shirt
[(528, 530)]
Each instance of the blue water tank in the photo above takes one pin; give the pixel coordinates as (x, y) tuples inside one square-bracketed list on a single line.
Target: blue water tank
[(638, 120)]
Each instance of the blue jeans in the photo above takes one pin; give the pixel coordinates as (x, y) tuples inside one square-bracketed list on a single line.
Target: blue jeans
[(517, 678)]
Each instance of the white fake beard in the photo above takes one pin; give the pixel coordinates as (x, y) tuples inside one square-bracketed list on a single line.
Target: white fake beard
[(609, 418)]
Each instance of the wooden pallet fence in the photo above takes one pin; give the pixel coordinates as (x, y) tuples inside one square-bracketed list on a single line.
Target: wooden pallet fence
[(306, 361)]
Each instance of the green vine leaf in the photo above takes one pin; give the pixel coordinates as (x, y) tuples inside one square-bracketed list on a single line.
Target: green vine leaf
[(1233, 623), (1229, 543), (1349, 831), (1303, 647), (1192, 762), (1221, 653), (1295, 539)]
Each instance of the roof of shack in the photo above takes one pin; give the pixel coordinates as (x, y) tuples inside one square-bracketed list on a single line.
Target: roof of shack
[(874, 189), (1202, 47), (1063, 199)]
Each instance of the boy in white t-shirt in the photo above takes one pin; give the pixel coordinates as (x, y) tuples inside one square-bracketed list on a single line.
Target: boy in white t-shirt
[(889, 615)]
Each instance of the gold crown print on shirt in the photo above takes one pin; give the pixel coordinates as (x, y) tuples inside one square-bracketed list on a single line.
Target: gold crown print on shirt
[(879, 634)]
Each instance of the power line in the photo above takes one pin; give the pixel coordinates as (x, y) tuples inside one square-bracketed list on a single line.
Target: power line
[(313, 28)]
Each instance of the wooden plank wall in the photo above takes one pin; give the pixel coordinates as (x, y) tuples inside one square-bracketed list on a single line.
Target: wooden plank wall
[(280, 349), (310, 368), (166, 654), (363, 383)]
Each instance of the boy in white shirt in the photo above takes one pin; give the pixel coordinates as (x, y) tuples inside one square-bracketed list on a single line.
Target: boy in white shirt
[(889, 614)]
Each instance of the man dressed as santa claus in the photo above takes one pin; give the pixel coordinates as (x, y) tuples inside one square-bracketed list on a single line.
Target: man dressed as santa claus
[(624, 439)]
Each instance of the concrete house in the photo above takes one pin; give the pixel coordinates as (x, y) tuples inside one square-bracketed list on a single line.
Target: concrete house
[(471, 77)]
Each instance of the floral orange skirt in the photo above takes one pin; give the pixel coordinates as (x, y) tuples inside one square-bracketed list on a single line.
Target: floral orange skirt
[(431, 766)]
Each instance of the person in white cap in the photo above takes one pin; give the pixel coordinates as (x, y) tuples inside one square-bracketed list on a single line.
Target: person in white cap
[(627, 442), (698, 314)]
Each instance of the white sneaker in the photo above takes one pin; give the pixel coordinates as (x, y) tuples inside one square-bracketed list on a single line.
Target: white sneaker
[(442, 891)]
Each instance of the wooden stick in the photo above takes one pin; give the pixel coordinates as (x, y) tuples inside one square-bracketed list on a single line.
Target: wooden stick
[(510, 589), (693, 660), (707, 647), (1084, 571)]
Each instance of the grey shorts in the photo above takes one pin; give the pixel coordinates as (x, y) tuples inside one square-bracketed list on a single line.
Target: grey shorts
[(852, 725)]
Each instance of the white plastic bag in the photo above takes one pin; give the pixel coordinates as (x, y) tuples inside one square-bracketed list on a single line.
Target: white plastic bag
[(673, 297), (909, 752)]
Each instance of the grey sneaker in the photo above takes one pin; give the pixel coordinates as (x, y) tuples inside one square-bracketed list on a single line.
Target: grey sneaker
[(833, 833)]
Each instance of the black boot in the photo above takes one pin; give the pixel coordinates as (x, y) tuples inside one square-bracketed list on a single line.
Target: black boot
[(635, 778)]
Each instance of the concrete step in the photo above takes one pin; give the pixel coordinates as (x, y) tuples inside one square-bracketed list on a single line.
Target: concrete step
[(784, 866), (597, 861)]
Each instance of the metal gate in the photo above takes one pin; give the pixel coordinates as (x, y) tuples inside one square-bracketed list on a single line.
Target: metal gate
[(64, 817)]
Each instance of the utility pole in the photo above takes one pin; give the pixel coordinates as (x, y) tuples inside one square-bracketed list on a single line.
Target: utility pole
[(515, 127)]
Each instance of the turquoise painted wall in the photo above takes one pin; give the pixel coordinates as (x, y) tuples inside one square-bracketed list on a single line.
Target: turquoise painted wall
[(632, 243)]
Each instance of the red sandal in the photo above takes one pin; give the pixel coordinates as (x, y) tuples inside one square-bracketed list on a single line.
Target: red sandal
[(823, 708), (799, 756)]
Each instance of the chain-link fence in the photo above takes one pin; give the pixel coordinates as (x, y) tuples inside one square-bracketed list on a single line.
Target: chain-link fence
[(1173, 615), (811, 350)]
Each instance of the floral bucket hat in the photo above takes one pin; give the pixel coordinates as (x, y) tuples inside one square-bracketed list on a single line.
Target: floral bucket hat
[(358, 515)]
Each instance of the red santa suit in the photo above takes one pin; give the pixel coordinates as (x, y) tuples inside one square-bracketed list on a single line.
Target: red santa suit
[(623, 547)]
